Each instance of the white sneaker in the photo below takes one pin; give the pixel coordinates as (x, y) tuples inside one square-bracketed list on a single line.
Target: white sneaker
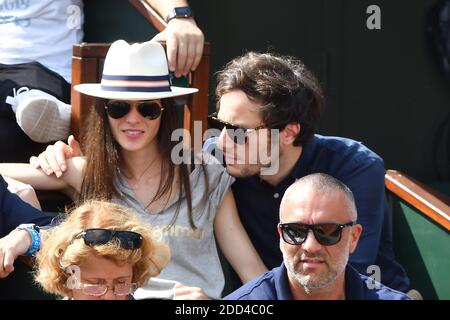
[(40, 115)]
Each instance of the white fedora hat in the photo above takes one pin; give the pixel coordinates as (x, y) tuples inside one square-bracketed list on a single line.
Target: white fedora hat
[(134, 72)]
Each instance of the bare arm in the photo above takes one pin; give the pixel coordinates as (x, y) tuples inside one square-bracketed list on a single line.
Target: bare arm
[(235, 243), (26, 173), (11, 246), (24, 191), (183, 38), (182, 292)]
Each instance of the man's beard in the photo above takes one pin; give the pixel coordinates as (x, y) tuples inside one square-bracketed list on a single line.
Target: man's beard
[(243, 170), (259, 160), (311, 282)]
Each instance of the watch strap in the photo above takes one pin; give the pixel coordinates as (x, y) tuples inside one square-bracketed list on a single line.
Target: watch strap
[(180, 12), (33, 231)]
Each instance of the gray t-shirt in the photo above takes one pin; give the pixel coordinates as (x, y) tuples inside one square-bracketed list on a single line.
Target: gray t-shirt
[(194, 258)]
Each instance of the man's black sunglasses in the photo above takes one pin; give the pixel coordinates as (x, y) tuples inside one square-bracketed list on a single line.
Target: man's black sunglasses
[(127, 239), (326, 234), (117, 109), (236, 133)]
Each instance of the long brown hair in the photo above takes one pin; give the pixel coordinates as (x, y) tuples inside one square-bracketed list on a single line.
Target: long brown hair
[(103, 158)]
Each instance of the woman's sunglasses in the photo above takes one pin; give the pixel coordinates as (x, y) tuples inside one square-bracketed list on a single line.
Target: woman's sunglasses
[(237, 134), (127, 239), (117, 109), (327, 234)]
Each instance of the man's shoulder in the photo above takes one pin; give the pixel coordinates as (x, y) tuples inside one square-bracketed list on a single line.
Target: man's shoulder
[(261, 288), (366, 288), (341, 157), (386, 293), (3, 187), (343, 147), (378, 291)]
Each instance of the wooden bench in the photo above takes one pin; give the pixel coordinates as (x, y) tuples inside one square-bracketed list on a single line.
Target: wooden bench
[(421, 233)]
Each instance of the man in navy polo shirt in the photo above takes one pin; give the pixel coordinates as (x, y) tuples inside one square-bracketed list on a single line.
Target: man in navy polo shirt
[(261, 91), (317, 231)]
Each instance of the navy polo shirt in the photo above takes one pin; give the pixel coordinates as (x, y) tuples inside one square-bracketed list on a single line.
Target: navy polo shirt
[(274, 285), (352, 163), (14, 211)]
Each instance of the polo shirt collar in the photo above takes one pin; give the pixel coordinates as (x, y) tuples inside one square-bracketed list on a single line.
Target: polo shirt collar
[(282, 288), (355, 287), (301, 168), (303, 165)]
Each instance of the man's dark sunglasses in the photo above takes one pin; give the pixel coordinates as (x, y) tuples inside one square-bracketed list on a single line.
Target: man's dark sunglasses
[(327, 234), (236, 133), (117, 109), (127, 239)]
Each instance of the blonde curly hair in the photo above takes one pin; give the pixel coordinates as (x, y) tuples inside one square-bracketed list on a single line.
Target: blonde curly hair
[(60, 250)]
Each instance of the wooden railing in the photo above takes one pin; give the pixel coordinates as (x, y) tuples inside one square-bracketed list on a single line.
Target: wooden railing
[(434, 205), (150, 13)]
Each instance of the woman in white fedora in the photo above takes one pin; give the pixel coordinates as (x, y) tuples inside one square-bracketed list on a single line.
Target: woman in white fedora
[(128, 160)]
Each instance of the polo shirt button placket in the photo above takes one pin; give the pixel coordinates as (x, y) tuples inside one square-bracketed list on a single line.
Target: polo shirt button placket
[(276, 195)]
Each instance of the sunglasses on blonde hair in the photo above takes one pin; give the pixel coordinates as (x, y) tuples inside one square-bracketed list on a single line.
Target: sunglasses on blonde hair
[(127, 239)]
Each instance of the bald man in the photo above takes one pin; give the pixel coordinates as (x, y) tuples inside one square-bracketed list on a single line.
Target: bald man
[(318, 232)]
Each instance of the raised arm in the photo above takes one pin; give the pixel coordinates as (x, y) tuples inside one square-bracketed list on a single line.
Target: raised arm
[(183, 37), (234, 241)]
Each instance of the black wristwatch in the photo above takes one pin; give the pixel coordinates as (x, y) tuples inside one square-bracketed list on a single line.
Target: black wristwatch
[(180, 12)]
